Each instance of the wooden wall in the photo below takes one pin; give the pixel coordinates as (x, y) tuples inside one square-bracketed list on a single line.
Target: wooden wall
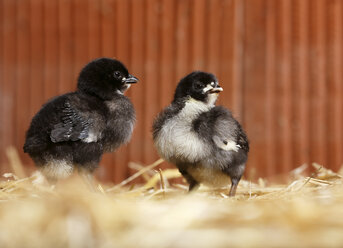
[(279, 62)]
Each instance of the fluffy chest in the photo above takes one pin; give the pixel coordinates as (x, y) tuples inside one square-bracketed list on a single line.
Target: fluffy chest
[(120, 112), (119, 124), (178, 141)]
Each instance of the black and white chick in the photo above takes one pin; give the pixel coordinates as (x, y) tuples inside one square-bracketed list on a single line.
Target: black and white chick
[(203, 140), (73, 130)]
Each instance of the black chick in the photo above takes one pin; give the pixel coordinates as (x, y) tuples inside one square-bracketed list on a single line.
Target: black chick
[(74, 130), (204, 141)]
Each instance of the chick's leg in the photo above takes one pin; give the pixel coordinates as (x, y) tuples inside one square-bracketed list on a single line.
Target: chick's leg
[(193, 184), (234, 184), (235, 172)]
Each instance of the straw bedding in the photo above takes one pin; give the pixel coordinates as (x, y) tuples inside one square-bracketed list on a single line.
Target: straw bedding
[(307, 212)]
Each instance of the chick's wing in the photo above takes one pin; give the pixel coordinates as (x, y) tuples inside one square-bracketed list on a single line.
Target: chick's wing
[(227, 132), (72, 126)]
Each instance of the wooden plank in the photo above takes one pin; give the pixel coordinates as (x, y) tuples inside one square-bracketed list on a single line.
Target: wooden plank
[(182, 38), (151, 77), (94, 29), (94, 24), (106, 169), (286, 88), (122, 31), (122, 53), (50, 49), (238, 59), (167, 78), (167, 54), (2, 83), (37, 56), (36, 89), (67, 76), (198, 37), (335, 86), (226, 60), (338, 76), (213, 36), (107, 28), (231, 61), (301, 87), (279, 118), (270, 87), (80, 31), (22, 87), (318, 90), (9, 72), (231, 56), (231, 18), (254, 80), (137, 30)]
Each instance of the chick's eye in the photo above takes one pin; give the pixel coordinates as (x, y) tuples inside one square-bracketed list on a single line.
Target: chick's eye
[(198, 86), (117, 74)]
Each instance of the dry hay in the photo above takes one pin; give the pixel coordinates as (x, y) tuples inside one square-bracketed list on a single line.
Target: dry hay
[(304, 213)]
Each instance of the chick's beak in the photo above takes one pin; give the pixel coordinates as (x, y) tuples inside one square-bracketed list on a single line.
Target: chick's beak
[(130, 79), (216, 89)]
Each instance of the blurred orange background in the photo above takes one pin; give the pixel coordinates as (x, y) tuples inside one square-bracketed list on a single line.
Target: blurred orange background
[(279, 62)]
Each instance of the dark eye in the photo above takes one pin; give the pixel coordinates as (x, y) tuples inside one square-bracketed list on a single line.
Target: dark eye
[(117, 74), (198, 85)]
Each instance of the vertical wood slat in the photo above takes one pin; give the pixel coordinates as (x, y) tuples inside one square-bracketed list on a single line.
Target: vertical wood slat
[(318, 93), (167, 75), (80, 32), (50, 85), (301, 83), (36, 77), (150, 77), (198, 34), (22, 86), (213, 40), (36, 56), (337, 53), (122, 48), (66, 65), (9, 72), (335, 88), (286, 94), (238, 58), (225, 60), (94, 29), (182, 38), (107, 22), (136, 152), (279, 87), (108, 44), (2, 63), (254, 78), (270, 87)]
